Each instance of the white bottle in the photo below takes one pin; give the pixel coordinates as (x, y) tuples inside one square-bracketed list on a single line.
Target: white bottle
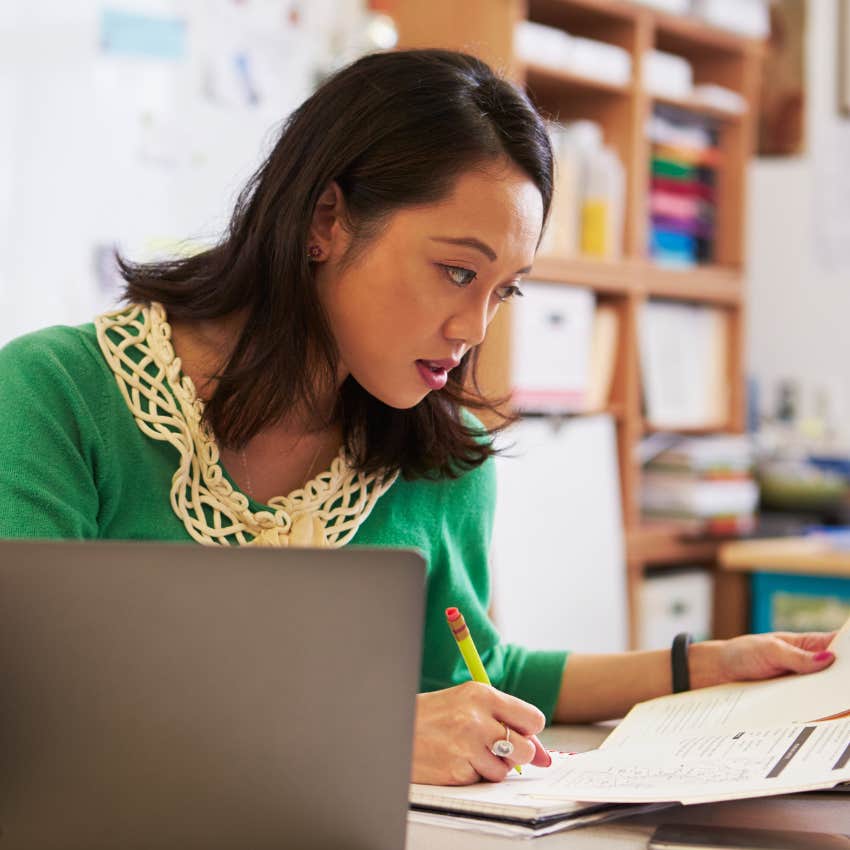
[(603, 205)]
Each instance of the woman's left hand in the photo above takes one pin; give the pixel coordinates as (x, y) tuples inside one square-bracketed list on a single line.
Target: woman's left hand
[(759, 657)]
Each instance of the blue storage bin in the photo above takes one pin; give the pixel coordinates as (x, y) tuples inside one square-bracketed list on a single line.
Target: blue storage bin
[(798, 603)]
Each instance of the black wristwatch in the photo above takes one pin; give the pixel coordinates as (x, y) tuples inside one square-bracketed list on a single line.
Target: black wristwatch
[(679, 662)]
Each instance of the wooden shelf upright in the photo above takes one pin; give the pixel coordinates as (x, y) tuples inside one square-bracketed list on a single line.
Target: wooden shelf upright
[(486, 28)]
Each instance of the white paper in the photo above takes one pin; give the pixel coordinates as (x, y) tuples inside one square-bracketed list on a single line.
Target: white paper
[(558, 547), (786, 700), (710, 767)]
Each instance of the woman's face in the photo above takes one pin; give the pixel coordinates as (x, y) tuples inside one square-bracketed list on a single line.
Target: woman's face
[(423, 292)]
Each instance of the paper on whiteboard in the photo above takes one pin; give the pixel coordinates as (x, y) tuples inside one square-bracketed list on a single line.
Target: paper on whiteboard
[(558, 553)]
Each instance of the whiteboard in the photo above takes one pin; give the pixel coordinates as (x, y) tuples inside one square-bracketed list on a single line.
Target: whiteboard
[(558, 557), (134, 124)]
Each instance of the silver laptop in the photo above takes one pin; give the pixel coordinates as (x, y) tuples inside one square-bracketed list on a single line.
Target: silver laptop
[(176, 696)]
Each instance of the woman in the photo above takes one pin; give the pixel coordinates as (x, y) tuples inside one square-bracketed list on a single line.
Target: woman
[(324, 349)]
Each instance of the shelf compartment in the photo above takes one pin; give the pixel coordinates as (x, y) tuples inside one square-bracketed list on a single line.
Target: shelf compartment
[(542, 81)]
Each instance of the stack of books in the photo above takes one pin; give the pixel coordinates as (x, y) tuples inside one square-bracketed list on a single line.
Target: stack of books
[(685, 157), (706, 482)]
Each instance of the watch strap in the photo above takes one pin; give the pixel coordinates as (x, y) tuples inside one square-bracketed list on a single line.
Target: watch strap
[(679, 662)]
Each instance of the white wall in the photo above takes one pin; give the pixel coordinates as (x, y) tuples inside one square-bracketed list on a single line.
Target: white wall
[(799, 244), (102, 147)]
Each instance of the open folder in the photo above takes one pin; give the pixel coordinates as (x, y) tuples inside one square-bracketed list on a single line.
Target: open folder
[(747, 739)]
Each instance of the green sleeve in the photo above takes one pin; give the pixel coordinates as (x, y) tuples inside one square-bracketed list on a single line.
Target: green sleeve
[(50, 445), (462, 579)]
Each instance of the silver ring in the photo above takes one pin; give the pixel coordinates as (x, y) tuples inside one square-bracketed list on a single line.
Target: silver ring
[(503, 747)]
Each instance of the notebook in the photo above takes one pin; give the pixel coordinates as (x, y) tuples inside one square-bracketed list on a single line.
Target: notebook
[(526, 805), (160, 696)]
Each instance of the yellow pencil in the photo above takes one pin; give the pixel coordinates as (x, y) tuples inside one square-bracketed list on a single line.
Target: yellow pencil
[(467, 649)]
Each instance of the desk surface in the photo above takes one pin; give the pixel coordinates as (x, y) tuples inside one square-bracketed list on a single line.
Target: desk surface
[(787, 554), (810, 812)]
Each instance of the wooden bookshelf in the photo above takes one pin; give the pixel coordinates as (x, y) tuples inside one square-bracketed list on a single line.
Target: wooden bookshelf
[(699, 108), (541, 78), (486, 28)]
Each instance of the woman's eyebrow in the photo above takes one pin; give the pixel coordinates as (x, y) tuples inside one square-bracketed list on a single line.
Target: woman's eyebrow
[(470, 242)]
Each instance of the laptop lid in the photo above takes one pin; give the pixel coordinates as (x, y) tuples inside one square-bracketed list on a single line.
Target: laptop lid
[(180, 696)]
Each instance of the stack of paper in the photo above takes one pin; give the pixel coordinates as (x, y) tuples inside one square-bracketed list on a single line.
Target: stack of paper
[(704, 480)]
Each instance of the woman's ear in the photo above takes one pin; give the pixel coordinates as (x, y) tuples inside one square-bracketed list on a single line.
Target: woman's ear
[(328, 236)]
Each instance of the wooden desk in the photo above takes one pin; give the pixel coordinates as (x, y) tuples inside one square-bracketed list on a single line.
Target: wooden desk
[(800, 555), (805, 555), (804, 812)]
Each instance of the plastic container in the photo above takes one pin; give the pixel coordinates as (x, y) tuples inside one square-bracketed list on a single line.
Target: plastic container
[(602, 209)]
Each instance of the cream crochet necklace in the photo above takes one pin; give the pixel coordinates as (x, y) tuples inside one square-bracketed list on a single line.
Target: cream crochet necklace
[(326, 512)]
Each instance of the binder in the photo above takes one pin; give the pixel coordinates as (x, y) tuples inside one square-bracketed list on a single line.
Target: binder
[(683, 357), (552, 336)]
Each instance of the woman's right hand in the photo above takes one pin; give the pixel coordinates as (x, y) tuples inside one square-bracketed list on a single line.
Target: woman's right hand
[(456, 727)]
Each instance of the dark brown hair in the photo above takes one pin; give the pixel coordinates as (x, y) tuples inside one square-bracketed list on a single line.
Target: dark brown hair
[(393, 130)]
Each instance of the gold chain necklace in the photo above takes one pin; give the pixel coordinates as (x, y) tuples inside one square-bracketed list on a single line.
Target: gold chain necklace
[(249, 487)]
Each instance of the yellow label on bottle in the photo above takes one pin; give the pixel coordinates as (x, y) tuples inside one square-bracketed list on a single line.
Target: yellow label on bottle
[(594, 228)]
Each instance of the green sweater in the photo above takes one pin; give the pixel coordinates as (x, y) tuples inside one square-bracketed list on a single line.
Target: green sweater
[(74, 464)]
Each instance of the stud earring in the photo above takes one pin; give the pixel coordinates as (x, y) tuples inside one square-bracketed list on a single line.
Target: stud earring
[(314, 252)]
